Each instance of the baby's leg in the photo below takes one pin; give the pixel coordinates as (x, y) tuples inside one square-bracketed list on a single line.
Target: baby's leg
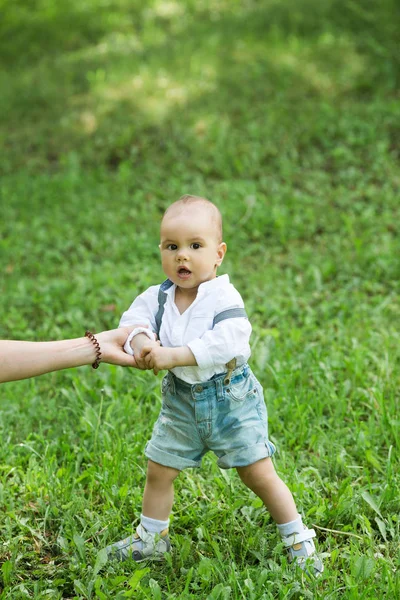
[(263, 480), (158, 494), (151, 540)]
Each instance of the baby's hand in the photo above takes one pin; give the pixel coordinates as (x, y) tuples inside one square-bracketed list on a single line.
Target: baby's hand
[(140, 362), (157, 357)]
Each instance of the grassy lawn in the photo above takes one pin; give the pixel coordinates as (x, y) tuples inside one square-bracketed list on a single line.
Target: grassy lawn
[(287, 115)]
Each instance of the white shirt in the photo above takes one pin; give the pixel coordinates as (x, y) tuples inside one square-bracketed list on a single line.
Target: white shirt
[(212, 348)]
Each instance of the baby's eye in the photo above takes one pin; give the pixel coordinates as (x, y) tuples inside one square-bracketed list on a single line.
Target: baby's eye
[(195, 246), (172, 247)]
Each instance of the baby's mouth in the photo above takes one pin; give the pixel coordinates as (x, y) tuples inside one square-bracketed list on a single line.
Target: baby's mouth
[(183, 272)]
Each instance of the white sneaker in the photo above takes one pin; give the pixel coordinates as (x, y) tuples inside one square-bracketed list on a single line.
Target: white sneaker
[(141, 546), (301, 550)]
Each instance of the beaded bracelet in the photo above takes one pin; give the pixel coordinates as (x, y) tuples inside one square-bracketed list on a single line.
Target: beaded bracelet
[(96, 363)]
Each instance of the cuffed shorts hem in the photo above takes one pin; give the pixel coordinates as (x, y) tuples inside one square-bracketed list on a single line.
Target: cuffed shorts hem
[(169, 460), (243, 457)]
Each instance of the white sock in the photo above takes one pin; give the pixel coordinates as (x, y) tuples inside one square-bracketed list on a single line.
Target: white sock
[(295, 526), (153, 525)]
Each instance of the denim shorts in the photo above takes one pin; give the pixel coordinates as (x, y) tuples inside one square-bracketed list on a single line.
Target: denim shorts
[(228, 418)]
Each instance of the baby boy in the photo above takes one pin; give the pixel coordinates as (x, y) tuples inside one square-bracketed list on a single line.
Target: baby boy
[(211, 400)]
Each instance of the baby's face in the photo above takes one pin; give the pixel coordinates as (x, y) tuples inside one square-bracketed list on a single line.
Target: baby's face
[(190, 246)]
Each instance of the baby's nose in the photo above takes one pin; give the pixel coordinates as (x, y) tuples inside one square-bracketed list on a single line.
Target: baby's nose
[(181, 254)]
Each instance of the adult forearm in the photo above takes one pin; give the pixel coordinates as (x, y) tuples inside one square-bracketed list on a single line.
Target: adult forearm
[(20, 359)]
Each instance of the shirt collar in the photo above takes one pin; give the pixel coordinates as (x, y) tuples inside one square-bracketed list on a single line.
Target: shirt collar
[(214, 284), (206, 287)]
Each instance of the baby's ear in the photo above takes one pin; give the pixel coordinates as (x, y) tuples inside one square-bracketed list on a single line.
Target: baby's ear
[(221, 250)]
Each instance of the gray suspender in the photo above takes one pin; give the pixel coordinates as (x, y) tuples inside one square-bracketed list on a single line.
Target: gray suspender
[(162, 298), (229, 313)]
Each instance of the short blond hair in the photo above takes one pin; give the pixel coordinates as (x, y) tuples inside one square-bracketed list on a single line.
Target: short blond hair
[(188, 199)]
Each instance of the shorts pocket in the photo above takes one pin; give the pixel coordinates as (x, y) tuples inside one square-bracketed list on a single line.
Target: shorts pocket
[(165, 384), (240, 390)]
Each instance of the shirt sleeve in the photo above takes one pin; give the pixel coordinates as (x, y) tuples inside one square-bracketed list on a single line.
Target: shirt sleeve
[(143, 309), (228, 339)]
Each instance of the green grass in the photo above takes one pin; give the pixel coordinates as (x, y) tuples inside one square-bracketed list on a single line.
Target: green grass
[(287, 116)]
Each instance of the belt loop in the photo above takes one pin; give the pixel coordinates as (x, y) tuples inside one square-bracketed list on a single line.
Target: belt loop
[(219, 389)]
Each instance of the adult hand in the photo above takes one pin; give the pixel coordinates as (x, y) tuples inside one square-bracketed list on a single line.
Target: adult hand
[(112, 347)]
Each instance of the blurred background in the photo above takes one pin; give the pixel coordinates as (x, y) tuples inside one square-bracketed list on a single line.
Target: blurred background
[(285, 113)]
